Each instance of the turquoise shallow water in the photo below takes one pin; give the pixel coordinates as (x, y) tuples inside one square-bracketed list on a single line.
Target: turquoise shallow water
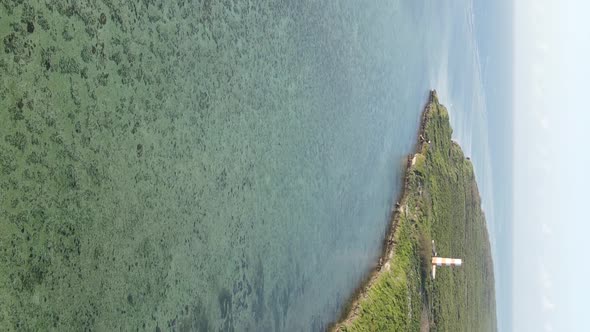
[(201, 165)]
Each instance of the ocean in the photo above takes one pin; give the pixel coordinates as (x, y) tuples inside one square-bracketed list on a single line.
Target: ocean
[(207, 165)]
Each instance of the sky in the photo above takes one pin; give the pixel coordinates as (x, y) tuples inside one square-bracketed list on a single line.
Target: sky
[(494, 36), (551, 156)]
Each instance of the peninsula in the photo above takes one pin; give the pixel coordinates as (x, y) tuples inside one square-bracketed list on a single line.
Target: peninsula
[(440, 201)]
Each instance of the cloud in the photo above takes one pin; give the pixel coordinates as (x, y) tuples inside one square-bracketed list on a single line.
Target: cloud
[(548, 305), (538, 70), (544, 122), (547, 167), (548, 327), (542, 46), (546, 229), (546, 280), (538, 89)]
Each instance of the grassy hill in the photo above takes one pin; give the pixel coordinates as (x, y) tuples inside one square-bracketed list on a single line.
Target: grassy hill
[(440, 202)]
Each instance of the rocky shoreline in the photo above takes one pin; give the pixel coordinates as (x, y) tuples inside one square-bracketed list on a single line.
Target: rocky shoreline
[(351, 309)]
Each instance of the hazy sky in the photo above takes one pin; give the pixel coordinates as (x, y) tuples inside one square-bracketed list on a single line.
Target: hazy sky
[(551, 165)]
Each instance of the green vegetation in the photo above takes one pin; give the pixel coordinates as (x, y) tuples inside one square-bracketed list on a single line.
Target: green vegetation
[(440, 202)]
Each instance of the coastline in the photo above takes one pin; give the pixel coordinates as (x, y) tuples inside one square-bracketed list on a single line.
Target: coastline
[(352, 308)]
